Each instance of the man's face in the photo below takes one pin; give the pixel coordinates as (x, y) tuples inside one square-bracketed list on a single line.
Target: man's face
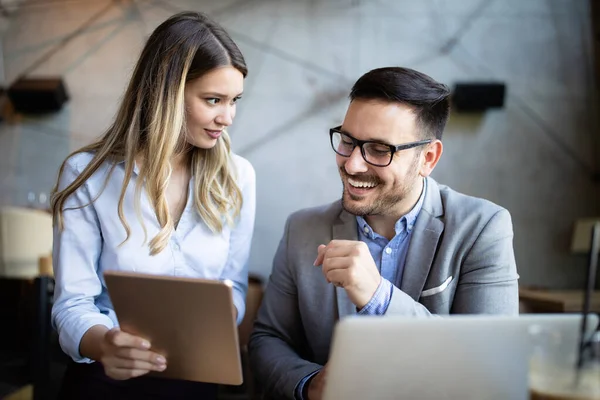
[(371, 190)]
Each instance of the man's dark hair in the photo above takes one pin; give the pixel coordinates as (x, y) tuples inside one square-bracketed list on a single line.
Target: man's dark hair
[(428, 98)]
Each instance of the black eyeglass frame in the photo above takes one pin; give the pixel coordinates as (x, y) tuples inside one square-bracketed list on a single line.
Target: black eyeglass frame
[(360, 143)]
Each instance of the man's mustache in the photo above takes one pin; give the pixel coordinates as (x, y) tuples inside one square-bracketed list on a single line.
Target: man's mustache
[(362, 178)]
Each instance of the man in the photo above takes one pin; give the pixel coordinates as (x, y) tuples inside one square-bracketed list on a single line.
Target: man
[(398, 243)]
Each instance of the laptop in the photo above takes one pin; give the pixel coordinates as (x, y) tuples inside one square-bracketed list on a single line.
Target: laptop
[(190, 321), (454, 357)]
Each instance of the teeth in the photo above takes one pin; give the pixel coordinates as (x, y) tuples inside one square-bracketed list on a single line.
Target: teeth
[(360, 184)]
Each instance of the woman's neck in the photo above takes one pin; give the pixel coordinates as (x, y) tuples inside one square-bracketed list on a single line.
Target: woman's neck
[(181, 163)]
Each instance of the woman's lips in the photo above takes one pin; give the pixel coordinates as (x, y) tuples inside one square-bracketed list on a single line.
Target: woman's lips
[(213, 134)]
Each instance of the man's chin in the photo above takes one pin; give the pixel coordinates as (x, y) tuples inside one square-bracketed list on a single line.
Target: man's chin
[(355, 205)]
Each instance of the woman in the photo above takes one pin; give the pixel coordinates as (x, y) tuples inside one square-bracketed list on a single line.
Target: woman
[(160, 193)]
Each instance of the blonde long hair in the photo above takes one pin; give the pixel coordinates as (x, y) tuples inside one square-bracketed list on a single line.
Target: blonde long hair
[(150, 124)]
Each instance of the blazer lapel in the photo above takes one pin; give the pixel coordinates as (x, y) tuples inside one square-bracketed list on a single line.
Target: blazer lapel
[(424, 241), (344, 229)]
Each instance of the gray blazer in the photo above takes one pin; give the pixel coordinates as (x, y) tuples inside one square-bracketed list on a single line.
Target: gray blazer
[(460, 261)]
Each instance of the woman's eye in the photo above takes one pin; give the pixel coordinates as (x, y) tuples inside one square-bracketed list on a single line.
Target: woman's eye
[(236, 99), (213, 101)]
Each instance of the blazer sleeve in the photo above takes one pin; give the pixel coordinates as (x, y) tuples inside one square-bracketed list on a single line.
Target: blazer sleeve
[(488, 281), (278, 332)]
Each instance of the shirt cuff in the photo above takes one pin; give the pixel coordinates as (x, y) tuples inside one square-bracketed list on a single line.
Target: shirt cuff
[(380, 301), (299, 392), (71, 334), (239, 303)]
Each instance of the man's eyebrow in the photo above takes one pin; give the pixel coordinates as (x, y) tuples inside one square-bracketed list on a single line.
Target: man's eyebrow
[(380, 141)]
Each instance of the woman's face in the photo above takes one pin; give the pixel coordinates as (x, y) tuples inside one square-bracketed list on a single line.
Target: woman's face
[(210, 103)]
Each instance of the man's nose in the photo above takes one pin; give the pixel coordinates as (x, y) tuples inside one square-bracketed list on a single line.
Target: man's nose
[(356, 163)]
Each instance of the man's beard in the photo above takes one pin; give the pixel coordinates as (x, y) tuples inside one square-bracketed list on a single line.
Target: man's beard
[(385, 201)]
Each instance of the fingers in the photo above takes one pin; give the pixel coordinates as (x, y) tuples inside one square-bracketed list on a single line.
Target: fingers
[(339, 248), (320, 255), (343, 243), (331, 263), (127, 356), (338, 277), (140, 355), (124, 373), (333, 249), (126, 363), (323, 372), (118, 338)]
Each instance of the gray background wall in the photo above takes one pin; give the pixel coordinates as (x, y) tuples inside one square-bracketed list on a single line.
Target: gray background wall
[(533, 157)]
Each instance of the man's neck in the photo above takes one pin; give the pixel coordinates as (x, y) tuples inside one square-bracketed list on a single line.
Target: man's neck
[(385, 225)]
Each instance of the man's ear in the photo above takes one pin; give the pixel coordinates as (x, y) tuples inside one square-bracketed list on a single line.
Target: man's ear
[(430, 157)]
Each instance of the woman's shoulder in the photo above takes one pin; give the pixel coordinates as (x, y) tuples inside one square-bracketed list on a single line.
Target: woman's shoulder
[(78, 161), (76, 164), (244, 170)]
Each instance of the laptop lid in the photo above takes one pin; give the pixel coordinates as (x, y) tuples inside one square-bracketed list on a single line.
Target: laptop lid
[(453, 357)]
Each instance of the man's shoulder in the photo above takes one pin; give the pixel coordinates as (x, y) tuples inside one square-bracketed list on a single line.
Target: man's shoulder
[(323, 215), (469, 215), (461, 205)]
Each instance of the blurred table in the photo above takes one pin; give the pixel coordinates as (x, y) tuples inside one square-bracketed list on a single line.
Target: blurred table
[(556, 301)]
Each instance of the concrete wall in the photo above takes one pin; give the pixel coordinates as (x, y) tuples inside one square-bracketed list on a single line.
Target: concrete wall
[(534, 156)]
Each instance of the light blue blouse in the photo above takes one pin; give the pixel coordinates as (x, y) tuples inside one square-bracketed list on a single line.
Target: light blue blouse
[(89, 245)]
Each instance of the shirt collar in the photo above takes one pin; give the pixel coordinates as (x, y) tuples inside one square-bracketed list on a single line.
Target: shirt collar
[(136, 170)]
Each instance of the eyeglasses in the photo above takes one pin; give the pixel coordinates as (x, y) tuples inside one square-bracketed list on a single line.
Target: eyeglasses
[(375, 153)]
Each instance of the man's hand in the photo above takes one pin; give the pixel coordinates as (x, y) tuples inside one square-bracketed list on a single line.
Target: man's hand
[(316, 385), (348, 264)]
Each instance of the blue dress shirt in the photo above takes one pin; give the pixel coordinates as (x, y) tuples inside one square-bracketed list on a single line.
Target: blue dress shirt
[(389, 257)]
